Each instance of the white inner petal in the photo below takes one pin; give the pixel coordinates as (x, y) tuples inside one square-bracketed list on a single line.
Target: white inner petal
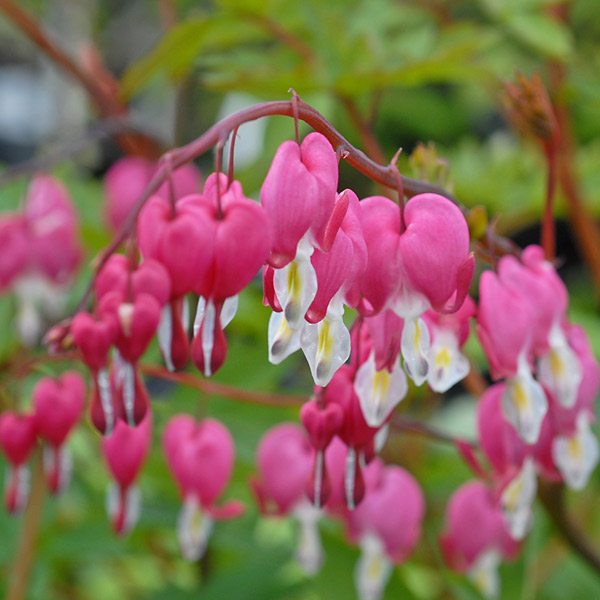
[(165, 336), (185, 313), (448, 365), (381, 438), (20, 478), (350, 477), (208, 335), (132, 507), (295, 285), (576, 457), (373, 569), (326, 344), (106, 399), (194, 528), (415, 344), (318, 478), (309, 552), (517, 500), (282, 340), (484, 573), (379, 392), (228, 311), (524, 403), (129, 392), (560, 370), (58, 460)]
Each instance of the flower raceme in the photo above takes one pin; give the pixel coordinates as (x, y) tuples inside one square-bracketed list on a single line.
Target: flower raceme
[(57, 407), (40, 252), (386, 524), (522, 317)]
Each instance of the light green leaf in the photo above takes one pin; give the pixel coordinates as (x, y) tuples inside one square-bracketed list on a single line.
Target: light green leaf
[(542, 34)]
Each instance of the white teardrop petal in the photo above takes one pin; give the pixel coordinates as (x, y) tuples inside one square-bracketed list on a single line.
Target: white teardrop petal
[(576, 457), (165, 336), (228, 310), (106, 399), (194, 528), (200, 309), (379, 392), (208, 336), (295, 286), (282, 340), (484, 573), (448, 365), (58, 460), (415, 344), (326, 344), (560, 370), (373, 569), (524, 403), (517, 500), (309, 552)]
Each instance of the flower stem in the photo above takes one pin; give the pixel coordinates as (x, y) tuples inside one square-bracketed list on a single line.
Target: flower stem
[(21, 568), (548, 228)]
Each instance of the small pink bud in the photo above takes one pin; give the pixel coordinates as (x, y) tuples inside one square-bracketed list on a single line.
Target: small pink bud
[(321, 423)]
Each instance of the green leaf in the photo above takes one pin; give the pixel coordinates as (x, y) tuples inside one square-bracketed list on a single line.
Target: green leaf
[(542, 34), (177, 51)]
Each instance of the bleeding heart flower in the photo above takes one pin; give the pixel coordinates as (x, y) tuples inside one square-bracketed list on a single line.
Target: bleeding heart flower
[(58, 405), (476, 538), (284, 458), (298, 195), (200, 456), (166, 237), (125, 450), (387, 525), (321, 422), (448, 334), (17, 440)]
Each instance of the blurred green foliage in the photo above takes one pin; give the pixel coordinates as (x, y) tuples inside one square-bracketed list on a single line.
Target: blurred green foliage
[(416, 71)]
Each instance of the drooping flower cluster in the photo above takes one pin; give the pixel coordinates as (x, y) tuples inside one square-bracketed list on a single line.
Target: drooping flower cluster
[(534, 423), (39, 253), (386, 525), (57, 408), (405, 269)]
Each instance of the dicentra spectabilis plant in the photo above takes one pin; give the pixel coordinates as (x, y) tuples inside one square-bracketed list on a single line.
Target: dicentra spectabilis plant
[(374, 291)]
